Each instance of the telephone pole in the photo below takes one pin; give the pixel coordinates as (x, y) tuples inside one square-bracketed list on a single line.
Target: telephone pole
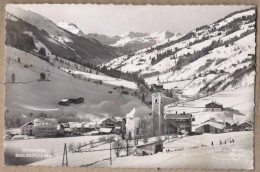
[(65, 156), (110, 152), (127, 147)]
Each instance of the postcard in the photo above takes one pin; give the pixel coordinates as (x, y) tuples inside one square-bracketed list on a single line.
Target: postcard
[(130, 86)]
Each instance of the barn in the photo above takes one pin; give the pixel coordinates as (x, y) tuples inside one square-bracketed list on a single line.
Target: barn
[(109, 123), (247, 125), (77, 100), (210, 126)]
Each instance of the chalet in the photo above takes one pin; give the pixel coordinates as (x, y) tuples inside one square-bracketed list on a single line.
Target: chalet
[(210, 126), (76, 126), (45, 127), (158, 88), (177, 123), (120, 127), (108, 123), (62, 129), (245, 126), (125, 92), (64, 102), (214, 106), (27, 129), (90, 126), (212, 72), (77, 100), (68, 101)]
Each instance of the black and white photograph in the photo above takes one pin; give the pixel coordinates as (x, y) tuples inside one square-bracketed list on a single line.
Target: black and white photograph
[(130, 86)]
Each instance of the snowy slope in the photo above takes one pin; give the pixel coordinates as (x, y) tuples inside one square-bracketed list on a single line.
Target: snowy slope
[(215, 57), (104, 79), (29, 95)]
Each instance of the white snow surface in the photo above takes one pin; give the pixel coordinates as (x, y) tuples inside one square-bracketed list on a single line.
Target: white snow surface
[(194, 76), (104, 79), (69, 27)]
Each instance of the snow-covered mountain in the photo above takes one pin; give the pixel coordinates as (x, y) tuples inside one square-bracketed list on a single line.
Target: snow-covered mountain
[(71, 27), (126, 43), (134, 41), (149, 38), (211, 58), (33, 29)]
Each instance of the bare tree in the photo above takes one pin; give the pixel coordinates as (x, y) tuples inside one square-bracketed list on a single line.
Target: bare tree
[(118, 146), (79, 146), (71, 147)]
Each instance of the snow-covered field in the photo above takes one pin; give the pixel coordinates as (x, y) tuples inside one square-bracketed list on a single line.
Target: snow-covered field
[(197, 153), (241, 100), (51, 146), (105, 79)]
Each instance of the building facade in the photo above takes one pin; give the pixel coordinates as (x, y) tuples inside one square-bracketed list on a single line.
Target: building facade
[(177, 123), (27, 129), (45, 127), (210, 126), (214, 107)]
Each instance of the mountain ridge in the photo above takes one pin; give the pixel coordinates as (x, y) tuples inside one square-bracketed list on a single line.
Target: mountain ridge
[(204, 60)]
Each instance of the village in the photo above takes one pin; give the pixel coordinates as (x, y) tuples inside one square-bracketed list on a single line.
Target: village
[(135, 124)]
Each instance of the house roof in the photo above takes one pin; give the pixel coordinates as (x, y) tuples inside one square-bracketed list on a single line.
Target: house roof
[(45, 121), (75, 124), (131, 114), (90, 125), (64, 100), (214, 103), (105, 130), (28, 123), (246, 122), (213, 124), (65, 125), (177, 116)]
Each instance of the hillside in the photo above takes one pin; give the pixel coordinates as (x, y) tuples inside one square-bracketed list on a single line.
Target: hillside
[(209, 59), (28, 96), (238, 106), (25, 28)]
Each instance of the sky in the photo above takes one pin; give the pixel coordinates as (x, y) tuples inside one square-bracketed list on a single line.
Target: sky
[(119, 19)]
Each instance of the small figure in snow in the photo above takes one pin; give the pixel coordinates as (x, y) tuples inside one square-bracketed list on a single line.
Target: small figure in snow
[(211, 143)]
